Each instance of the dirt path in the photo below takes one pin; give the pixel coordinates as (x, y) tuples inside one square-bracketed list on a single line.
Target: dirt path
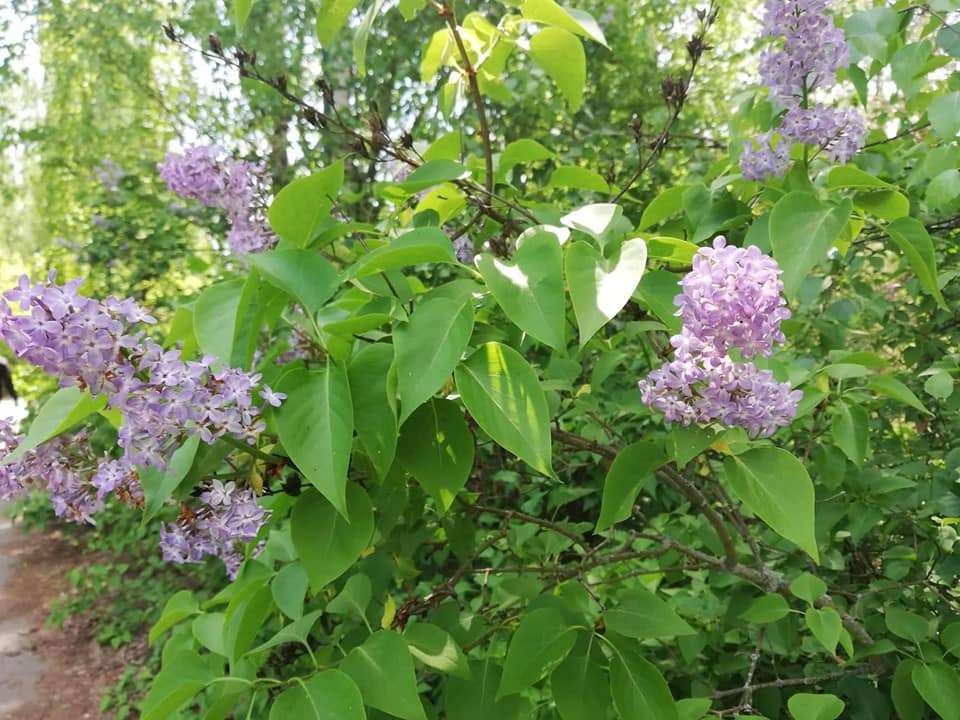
[(45, 673)]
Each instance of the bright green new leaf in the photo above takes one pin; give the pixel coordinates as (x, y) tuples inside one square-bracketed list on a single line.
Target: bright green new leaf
[(671, 249), (530, 287), (914, 242), (808, 587), (179, 607), (521, 152), (303, 275), (435, 648), (767, 609), (65, 408), (893, 388), (374, 410), (429, 347), (667, 203), (599, 288), (807, 706), (333, 15), (550, 13), (541, 641), (241, 11), (328, 544), (939, 685), (328, 695), (315, 426), (802, 229), (362, 36), (437, 448), (422, 245), (775, 486), (560, 54), (383, 670), (825, 624), (641, 614), (503, 394), (850, 429), (300, 207), (629, 472), (581, 178)]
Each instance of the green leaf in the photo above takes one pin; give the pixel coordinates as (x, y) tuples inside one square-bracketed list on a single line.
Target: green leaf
[(571, 176), (303, 275), (520, 152), (383, 669), (850, 429), (950, 638), (542, 640), (629, 472), (594, 220), (328, 695), (183, 675), (667, 203), (329, 545), (914, 242), (550, 13), (300, 207), (906, 624), (600, 288), (289, 587), (530, 288), (893, 388), (65, 408), (808, 587), (657, 290), (807, 706), (374, 411), (886, 204), (410, 8), (332, 17), (362, 36), (354, 598), (296, 632), (428, 348), (944, 115), (215, 318), (315, 425), (158, 485), (767, 609), (906, 699), (178, 608), (825, 624), (243, 619), (560, 54), (435, 648), (241, 11), (802, 229), (580, 687), (851, 176), (437, 448), (694, 708), (775, 486), (433, 172), (422, 245), (638, 688), (208, 631), (503, 394), (671, 249), (475, 699), (641, 614), (944, 189), (685, 443), (939, 385), (939, 686)]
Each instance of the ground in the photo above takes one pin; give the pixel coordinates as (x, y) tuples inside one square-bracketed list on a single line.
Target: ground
[(46, 673)]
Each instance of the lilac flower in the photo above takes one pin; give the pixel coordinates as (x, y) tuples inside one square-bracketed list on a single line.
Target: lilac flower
[(271, 397), (463, 248), (231, 185), (839, 132), (731, 300), (764, 157), (229, 518)]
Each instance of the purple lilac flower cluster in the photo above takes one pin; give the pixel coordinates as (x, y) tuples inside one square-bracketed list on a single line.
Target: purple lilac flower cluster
[(813, 50), (230, 517), (204, 174), (731, 300), (164, 399)]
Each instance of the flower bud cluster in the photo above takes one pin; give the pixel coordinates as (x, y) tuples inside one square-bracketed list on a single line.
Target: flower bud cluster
[(731, 300), (813, 50), (204, 174)]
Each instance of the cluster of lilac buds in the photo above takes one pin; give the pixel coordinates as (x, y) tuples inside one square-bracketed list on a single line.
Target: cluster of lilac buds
[(230, 518), (164, 399), (204, 174), (731, 300), (813, 50)]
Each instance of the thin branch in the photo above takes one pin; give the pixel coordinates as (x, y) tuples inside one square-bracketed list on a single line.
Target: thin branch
[(787, 682)]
